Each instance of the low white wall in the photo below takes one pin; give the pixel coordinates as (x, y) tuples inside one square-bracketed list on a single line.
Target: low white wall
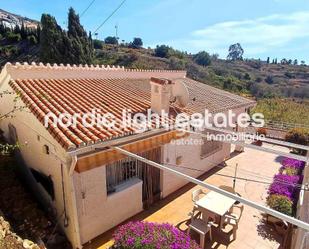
[(99, 212), (191, 157)]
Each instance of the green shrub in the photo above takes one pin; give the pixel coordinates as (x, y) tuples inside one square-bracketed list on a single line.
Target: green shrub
[(32, 40), (111, 40), (13, 37), (97, 44), (280, 203), (247, 76), (14, 51), (202, 58), (298, 136), (162, 51)]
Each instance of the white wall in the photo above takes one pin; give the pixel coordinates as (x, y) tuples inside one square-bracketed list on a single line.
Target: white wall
[(191, 157), (99, 212), (28, 128)]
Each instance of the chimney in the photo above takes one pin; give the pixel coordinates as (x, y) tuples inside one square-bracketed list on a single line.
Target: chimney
[(161, 90)]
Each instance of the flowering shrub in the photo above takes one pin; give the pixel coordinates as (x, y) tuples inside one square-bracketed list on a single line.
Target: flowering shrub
[(288, 171), (146, 235), (293, 163), (280, 203), (284, 190)]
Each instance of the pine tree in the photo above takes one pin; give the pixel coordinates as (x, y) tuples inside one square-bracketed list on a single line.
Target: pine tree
[(23, 31), (268, 60)]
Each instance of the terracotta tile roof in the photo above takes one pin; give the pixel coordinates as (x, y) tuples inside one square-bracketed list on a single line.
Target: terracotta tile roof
[(109, 95)]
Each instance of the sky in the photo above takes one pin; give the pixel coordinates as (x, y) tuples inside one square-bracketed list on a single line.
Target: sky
[(274, 28)]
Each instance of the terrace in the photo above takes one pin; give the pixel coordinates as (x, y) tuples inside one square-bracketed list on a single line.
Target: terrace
[(253, 232)]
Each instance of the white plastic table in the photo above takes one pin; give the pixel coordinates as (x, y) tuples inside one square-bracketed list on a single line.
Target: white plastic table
[(215, 203)]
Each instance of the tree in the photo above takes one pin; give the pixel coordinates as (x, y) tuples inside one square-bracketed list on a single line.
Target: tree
[(295, 62), (284, 61), (137, 43), (23, 31), (111, 40), (51, 40), (59, 46), (303, 63), (202, 58), (81, 44), (235, 52), (268, 60), (162, 51), (97, 44)]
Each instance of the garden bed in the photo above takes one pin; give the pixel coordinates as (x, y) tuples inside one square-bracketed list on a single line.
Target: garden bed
[(284, 191), (141, 235)]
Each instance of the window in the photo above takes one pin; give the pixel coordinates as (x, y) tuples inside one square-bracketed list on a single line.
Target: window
[(210, 146), (120, 172), (46, 149), (45, 181)]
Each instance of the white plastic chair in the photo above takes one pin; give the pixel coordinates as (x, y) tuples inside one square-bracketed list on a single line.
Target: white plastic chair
[(233, 218), (196, 195), (201, 227)]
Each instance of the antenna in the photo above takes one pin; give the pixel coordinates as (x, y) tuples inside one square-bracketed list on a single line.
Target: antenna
[(116, 28), (180, 93)]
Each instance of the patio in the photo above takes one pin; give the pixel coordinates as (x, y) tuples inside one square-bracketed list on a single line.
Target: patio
[(252, 232)]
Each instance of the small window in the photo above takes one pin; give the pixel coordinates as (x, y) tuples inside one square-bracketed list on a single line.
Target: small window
[(120, 172), (38, 138), (46, 149), (210, 147), (45, 181)]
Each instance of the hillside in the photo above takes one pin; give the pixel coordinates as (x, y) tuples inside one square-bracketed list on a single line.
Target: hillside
[(248, 77), (11, 20)]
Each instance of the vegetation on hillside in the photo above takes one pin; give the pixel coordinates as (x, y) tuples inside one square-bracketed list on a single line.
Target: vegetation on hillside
[(272, 78), (284, 110)]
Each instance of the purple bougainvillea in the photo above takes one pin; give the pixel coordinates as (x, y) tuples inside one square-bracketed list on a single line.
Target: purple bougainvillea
[(138, 235), (285, 184), (293, 163)]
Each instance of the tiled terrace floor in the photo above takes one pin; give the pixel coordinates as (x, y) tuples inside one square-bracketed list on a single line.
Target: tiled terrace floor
[(252, 232)]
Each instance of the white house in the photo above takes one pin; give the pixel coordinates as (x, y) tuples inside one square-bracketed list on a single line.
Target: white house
[(91, 187)]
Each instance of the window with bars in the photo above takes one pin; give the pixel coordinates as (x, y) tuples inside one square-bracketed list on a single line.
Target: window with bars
[(210, 146), (120, 172)]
